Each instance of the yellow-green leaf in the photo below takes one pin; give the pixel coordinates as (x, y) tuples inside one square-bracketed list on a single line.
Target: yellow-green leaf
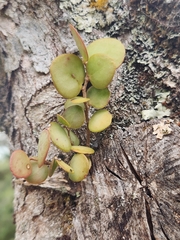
[(100, 121), (80, 44), (75, 116), (67, 72), (80, 165), (52, 167), (38, 174), (64, 166), (69, 103), (43, 146), (99, 98), (59, 137), (74, 139), (79, 100), (82, 149), (100, 69), (111, 47), (62, 120)]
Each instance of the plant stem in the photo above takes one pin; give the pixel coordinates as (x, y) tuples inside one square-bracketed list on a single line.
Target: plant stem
[(84, 91)]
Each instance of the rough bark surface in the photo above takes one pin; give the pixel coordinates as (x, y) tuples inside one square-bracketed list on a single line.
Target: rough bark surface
[(132, 191)]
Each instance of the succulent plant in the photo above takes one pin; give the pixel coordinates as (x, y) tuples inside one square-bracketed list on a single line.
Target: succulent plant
[(83, 82)]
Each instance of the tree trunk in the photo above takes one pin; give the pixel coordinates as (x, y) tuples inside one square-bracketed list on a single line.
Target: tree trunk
[(132, 191)]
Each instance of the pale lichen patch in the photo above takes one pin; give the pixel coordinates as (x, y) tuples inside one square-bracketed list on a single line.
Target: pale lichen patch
[(159, 110), (162, 128), (86, 15)]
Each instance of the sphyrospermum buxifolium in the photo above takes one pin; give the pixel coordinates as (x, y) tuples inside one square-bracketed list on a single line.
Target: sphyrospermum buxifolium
[(83, 82)]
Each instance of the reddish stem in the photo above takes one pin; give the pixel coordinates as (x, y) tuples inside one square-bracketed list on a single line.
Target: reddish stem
[(84, 91)]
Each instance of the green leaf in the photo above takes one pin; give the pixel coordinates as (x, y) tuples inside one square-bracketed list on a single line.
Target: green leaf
[(79, 100), (80, 165), (52, 167), (67, 72), (20, 164), (59, 137), (75, 116), (69, 103), (43, 146), (62, 120), (73, 137), (100, 69), (111, 47), (80, 44), (100, 121), (82, 149), (38, 174), (99, 98), (64, 166)]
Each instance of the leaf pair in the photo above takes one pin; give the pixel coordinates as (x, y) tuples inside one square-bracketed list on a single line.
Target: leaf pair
[(62, 141), (110, 47), (23, 167)]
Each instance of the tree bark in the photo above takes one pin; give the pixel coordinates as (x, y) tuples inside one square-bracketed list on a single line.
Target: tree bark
[(132, 191)]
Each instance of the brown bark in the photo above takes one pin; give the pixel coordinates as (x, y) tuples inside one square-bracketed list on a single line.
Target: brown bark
[(132, 191)]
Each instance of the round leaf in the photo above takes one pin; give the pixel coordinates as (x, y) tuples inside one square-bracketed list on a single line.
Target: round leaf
[(20, 164), (111, 47), (38, 175), (80, 165), (59, 137), (67, 72), (99, 98), (100, 69), (74, 116), (43, 146), (82, 149), (80, 44), (100, 121)]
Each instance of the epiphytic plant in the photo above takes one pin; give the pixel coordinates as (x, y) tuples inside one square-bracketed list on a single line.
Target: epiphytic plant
[(71, 76)]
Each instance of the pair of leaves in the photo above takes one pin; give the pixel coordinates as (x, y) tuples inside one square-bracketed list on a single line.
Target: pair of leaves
[(110, 47), (23, 167), (78, 167), (73, 117), (62, 141)]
